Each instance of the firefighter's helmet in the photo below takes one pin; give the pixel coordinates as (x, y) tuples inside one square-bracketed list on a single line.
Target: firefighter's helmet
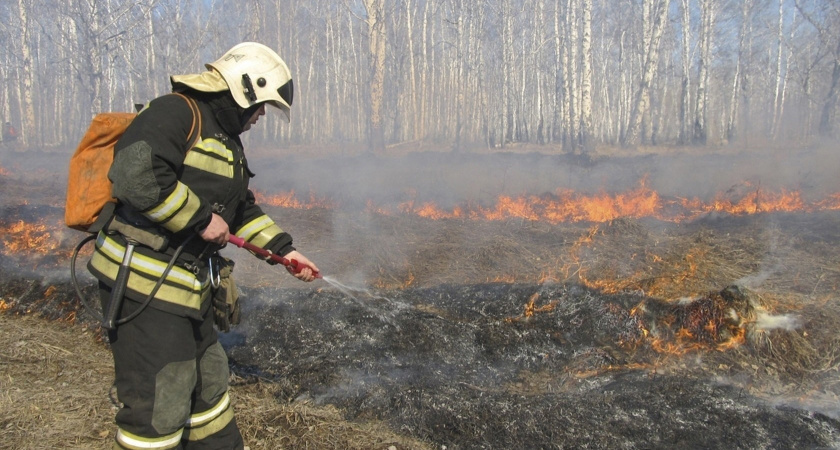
[(256, 74)]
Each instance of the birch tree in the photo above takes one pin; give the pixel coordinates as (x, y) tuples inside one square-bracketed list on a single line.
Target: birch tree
[(651, 59), (685, 103), (447, 73), (779, 74), (375, 10), (707, 18), (573, 94), (25, 93), (586, 138), (740, 81), (827, 24)]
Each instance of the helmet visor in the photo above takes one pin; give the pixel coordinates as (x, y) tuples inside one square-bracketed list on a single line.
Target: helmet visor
[(287, 92)]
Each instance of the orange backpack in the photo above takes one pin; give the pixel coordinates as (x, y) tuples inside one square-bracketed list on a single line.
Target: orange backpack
[(89, 202)]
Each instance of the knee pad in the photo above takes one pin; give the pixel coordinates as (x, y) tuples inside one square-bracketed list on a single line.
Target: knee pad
[(174, 385), (214, 373)]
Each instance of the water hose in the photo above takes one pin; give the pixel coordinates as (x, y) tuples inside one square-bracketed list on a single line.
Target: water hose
[(293, 265)]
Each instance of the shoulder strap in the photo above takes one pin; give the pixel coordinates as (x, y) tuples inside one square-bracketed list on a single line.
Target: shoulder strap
[(195, 128)]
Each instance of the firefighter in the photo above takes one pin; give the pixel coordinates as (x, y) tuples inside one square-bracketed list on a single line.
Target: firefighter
[(178, 204)]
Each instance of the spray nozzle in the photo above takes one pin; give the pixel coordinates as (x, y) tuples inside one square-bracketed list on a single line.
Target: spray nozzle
[(293, 265)]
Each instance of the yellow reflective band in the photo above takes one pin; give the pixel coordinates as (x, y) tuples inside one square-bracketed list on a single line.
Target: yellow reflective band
[(250, 229), (180, 220), (144, 264), (212, 427), (188, 298), (172, 203), (132, 441), (197, 420), (216, 147), (187, 290), (265, 236), (201, 157)]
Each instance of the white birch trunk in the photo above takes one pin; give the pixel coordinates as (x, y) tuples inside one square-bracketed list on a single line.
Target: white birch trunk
[(642, 102), (574, 94), (685, 104), (27, 78), (586, 139), (700, 134), (376, 46), (778, 75)]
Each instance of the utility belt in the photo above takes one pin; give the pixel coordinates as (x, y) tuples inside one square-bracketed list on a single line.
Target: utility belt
[(200, 258)]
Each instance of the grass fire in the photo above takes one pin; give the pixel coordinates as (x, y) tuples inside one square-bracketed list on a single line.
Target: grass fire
[(520, 224), (637, 316)]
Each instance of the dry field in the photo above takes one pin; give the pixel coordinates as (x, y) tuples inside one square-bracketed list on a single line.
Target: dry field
[(599, 329)]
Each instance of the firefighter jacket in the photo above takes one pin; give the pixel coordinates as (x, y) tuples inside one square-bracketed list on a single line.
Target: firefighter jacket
[(170, 191)]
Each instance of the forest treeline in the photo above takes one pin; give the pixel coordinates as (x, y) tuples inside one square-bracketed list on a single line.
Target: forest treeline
[(575, 74)]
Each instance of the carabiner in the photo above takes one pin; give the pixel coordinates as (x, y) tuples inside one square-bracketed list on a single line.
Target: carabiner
[(216, 280)]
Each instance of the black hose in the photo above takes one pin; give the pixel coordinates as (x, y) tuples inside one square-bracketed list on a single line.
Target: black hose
[(148, 299), (159, 282), (75, 281)]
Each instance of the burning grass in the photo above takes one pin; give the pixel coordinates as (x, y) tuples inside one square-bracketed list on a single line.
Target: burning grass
[(568, 206), (506, 329)]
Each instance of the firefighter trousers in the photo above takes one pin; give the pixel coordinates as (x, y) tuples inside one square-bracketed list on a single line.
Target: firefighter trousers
[(171, 377)]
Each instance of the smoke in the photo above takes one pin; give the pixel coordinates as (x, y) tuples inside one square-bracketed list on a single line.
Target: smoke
[(787, 322), (452, 178), (771, 264)]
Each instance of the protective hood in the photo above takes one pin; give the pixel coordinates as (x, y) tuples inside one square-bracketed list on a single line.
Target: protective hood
[(209, 81)]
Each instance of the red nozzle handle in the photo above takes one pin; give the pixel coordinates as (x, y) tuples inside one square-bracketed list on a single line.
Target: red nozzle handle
[(294, 264)]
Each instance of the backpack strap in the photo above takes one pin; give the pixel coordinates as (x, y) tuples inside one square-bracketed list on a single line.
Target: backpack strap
[(195, 128), (103, 218)]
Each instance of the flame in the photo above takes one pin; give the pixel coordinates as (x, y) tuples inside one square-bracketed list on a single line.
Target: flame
[(381, 282), (759, 201), (563, 205), (290, 200), (28, 238), (832, 202)]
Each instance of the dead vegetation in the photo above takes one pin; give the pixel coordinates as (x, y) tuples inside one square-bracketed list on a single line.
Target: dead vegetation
[(55, 374), (54, 394), (55, 370)]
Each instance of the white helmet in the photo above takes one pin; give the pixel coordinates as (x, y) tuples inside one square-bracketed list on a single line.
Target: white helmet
[(255, 74)]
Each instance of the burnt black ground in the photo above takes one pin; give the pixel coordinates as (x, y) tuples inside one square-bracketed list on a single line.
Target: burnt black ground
[(443, 364)]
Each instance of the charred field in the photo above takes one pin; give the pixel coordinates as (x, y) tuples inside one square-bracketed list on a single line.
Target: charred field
[(457, 321)]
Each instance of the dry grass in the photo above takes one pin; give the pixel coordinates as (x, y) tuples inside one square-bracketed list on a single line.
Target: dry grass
[(54, 381)]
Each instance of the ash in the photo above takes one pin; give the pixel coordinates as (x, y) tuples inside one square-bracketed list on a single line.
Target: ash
[(468, 367)]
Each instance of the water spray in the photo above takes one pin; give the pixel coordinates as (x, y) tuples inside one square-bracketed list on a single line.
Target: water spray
[(295, 267)]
